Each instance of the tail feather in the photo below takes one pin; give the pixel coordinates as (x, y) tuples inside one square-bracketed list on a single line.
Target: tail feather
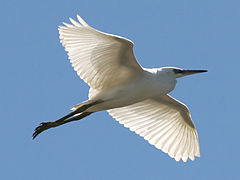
[(81, 104), (85, 105)]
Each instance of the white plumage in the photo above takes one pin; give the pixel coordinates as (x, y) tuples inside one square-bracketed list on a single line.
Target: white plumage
[(165, 123), (136, 97), (100, 59)]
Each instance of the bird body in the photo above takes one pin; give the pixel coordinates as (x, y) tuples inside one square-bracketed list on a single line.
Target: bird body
[(136, 97), (148, 84)]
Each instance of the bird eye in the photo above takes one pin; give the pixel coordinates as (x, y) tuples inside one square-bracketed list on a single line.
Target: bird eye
[(176, 71)]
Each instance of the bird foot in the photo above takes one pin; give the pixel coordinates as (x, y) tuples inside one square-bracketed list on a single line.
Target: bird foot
[(42, 127)]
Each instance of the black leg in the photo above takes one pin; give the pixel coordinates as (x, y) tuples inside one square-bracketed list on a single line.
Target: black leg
[(76, 118), (79, 110), (47, 125)]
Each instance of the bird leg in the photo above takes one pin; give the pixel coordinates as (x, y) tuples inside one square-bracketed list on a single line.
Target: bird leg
[(79, 110), (46, 125)]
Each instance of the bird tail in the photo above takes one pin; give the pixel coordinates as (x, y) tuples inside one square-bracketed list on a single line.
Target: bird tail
[(85, 105), (81, 104)]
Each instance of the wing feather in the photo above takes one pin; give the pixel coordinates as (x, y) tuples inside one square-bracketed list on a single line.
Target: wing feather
[(102, 60), (164, 122)]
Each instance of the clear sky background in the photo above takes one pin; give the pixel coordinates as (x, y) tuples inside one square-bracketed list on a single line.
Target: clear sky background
[(38, 84)]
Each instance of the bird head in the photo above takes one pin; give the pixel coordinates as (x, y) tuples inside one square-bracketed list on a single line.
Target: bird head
[(175, 72)]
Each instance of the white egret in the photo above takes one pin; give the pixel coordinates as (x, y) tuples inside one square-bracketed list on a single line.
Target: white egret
[(136, 97)]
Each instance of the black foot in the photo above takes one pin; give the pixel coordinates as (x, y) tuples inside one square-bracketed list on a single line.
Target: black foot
[(42, 127)]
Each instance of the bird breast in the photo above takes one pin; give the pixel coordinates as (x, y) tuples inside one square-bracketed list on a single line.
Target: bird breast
[(165, 85), (159, 83)]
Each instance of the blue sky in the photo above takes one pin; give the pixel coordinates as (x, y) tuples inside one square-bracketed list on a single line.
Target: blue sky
[(38, 84)]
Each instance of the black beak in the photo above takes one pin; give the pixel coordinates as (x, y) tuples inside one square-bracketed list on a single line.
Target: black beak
[(189, 72)]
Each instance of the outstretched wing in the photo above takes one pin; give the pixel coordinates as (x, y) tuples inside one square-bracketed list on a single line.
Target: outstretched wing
[(101, 60), (165, 123)]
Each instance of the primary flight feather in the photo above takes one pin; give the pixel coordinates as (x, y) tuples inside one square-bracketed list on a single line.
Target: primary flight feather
[(136, 97)]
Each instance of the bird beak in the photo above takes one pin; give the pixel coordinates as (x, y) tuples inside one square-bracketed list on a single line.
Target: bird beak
[(189, 72)]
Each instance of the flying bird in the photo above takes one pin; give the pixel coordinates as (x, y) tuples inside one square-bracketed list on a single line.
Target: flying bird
[(136, 97)]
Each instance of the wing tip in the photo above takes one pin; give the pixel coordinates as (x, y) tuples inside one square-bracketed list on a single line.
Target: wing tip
[(75, 22), (78, 23), (68, 25), (82, 21)]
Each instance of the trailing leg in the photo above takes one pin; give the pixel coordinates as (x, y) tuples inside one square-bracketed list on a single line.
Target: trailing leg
[(47, 125), (68, 118)]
